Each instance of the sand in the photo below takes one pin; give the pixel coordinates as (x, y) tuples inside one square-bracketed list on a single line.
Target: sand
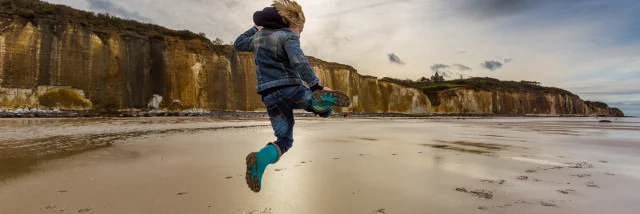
[(196, 165)]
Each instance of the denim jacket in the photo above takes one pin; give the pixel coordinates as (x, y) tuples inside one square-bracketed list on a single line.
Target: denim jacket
[(278, 57)]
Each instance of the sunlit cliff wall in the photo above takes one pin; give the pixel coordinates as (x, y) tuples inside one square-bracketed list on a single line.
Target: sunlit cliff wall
[(71, 66), (498, 101), (368, 94), (63, 65)]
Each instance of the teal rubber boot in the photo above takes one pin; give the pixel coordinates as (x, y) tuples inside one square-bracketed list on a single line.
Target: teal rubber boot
[(257, 162), (320, 106), (322, 101)]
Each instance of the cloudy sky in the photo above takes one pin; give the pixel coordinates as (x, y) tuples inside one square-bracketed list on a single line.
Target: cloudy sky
[(590, 47)]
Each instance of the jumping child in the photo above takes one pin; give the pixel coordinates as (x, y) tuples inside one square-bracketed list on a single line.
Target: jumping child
[(281, 70)]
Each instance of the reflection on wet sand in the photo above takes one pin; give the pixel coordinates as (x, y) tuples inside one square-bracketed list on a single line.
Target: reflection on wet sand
[(196, 165), (19, 157)]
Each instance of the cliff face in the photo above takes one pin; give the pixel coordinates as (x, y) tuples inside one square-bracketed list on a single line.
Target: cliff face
[(65, 65), (368, 94), (615, 112), (44, 64), (514, 102)]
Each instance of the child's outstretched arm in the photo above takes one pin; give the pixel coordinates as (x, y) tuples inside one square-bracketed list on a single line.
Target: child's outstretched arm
[(244, 42), (301, 64)]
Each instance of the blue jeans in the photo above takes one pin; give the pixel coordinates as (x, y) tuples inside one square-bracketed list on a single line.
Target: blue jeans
[(280, 105)]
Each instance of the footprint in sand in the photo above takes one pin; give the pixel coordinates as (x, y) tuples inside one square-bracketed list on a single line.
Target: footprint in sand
[(266, 211), (524, 178), (478, 193), (49, 207), (522, 202), (503, 206), (565, 191), (591, 184), (500, 181), (555, 167), (581, 175), (581, 165), (547, 204), (84, 210), (381, 210)]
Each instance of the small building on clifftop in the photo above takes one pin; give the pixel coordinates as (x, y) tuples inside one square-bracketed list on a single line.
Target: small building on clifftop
[(434, 78), (437, 78)]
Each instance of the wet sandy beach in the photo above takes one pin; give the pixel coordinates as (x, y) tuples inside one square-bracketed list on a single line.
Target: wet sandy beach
[(196, 165)]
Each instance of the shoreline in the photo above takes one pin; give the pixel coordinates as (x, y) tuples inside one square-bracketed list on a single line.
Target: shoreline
[(246, 114)]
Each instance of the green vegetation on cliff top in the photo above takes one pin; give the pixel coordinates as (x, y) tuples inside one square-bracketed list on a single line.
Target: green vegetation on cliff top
[(433, 89), (478, 84), (596, 104)]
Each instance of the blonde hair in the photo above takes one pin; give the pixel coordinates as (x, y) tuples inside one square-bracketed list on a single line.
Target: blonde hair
[(291, 12)]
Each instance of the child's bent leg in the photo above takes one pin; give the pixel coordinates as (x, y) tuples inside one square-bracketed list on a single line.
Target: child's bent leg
[(281, 117), (282, 122), (280, 105)]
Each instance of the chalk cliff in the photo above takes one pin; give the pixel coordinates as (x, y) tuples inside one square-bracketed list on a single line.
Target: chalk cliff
[(55, 57), (111, 70), (497, 101), (615, 112)]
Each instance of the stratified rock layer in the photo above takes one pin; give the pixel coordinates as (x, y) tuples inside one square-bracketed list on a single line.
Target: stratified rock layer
[(66, 65), (498, 101), (124, 71)]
